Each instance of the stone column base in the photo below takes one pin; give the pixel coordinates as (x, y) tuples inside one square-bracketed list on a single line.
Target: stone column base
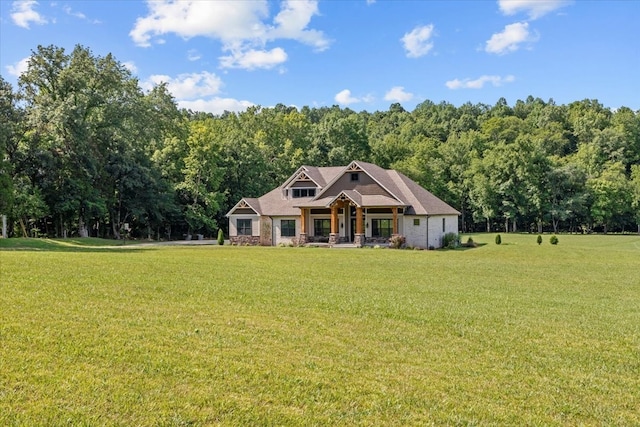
[(333, 238), (358, 240), (302, 239)]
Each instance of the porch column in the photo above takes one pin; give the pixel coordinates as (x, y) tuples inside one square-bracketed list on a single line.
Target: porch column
[(333, 236), (302, 239), (395, 220), (359, 238), (334, 218)]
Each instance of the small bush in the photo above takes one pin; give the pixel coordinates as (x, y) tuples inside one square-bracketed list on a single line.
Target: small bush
[(398, 241), (220, 237), (451, 241), (539, 239), (470, 243), (498, 240), (553, 240)]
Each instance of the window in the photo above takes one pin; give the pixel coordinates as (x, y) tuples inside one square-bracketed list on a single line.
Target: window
[(381, 227), (355, 177), (244, 227), (303, 192), (444, 225), (416, 221), (321, 227), (288, 228)]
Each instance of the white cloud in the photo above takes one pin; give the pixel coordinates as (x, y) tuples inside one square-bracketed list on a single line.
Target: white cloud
[(534, 8), (397, 94), (187, 86), (243, 27), (252, 59), (510, 39), (131, 66), (196, 92), (215, 105), (19, 67), (225, 20), (479, 82), (418, 43), (193, 55), (292, 20), (344, 98), (70, 12), (23, 12)]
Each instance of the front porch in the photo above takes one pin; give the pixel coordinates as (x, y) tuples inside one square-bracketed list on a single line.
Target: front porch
[(347, 222)]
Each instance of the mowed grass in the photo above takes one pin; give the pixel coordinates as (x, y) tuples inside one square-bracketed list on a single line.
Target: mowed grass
[(516, 334)]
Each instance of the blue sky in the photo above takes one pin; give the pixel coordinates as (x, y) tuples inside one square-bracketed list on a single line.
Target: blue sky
[(363, 54)]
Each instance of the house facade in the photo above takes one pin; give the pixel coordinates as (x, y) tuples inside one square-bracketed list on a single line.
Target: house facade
[(360, 203)]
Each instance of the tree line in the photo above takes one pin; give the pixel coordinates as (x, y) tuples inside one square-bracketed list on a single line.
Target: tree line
[(87, 152)]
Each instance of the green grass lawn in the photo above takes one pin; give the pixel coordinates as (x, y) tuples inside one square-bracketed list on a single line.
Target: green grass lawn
[(516, 334)]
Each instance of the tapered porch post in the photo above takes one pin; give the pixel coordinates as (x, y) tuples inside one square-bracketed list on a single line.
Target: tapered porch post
[(395, 220), (334, 219), (333, 236), (359, 238), (302, 239)]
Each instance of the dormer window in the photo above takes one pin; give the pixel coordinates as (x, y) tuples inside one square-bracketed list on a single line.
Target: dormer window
[(303, 192), (355, 177)]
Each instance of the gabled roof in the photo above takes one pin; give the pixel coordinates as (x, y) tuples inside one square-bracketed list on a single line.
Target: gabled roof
[(352, 195), (319, 175), (247, 202), (376, 173), (302, 171), (402, 190)]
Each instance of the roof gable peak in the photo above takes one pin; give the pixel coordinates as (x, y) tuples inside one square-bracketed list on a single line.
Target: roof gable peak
[(359, 166), (301, 174), (244, 204)]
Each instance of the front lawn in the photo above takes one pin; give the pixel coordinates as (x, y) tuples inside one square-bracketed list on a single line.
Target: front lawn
[(515, 334)]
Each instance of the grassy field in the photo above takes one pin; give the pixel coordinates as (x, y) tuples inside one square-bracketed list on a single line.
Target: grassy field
[(516, 334)]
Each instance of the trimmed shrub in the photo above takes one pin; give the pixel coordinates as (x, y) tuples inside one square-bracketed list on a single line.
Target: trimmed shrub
[(470, 243), (220, 237), (398, 241), (498, 239), (553, 240), (451, 241), (539, 239)]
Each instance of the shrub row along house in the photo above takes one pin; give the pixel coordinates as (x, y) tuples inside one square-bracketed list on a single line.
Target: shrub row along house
[(361, 204)]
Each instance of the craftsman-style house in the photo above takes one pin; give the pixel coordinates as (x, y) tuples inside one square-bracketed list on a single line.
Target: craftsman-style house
[(361, 204)]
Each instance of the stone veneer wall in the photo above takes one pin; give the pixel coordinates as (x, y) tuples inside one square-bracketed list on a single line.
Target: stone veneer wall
[(245, 240), (376, 240)]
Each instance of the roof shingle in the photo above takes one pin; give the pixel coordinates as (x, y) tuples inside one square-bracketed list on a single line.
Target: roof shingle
[(406, 192)]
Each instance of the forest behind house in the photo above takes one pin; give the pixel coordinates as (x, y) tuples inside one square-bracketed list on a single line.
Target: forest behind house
[(85, 151)]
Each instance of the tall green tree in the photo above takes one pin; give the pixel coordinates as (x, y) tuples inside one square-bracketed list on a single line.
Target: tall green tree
[(610, 192), (10, 122), (88, 127), (635, 193), (202, 177), (567, 193)]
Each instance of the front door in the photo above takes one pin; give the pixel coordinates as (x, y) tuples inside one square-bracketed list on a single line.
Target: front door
[(352, 229)]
